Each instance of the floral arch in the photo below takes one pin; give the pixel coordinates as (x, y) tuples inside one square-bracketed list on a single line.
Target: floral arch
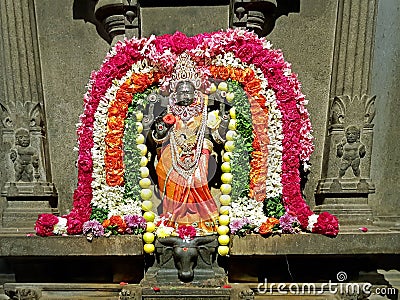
[(269, 120)]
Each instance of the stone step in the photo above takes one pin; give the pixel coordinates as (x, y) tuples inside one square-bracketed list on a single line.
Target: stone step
[(234, 291), (26, 205)]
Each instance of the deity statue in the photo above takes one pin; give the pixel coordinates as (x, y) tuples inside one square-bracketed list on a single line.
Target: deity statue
[(350, 150), (183, 163), (24, 157)]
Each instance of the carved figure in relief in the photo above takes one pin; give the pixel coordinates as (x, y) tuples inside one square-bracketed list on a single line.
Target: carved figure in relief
[(24, 157), (350, 150)]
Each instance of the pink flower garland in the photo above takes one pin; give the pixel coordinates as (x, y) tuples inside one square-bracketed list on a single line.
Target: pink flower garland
[(162, 52)]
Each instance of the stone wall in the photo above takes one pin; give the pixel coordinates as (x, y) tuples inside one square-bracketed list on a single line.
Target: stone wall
[(307, 41), (70, 49), (385, 75)]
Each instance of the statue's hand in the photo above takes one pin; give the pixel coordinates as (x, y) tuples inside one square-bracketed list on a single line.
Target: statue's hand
[(13, 155), (35, 161), (161, 128)]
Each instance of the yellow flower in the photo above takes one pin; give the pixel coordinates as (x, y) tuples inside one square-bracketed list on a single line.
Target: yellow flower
[(163, 232), (213, 119)]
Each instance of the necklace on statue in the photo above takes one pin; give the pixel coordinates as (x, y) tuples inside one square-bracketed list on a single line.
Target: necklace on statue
[(186, 112), (184, 142)]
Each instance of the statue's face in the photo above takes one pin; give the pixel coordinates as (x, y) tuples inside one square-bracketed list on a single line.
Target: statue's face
[(352, 136), (23, 139), (185, 93)]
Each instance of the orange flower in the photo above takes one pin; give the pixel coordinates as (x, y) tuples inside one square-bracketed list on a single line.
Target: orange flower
[(114, 180), (123, 96), (106, 223), (119, 222), (113, 162), (117, 111), (113, 111), (113, 141), (244, 76), (253, 87), (115, 123), (141, 82), (220, 72), (268, 226), (169, 119)]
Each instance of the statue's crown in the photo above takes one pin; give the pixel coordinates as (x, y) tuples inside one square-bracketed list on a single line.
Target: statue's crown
[(185, 70)]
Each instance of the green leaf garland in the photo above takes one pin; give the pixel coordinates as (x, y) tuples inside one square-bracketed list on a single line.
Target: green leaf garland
[(240, 166)]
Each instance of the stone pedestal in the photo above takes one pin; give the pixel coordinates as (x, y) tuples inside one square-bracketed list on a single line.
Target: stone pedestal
[(25, 201), (181, 262), (347, 199)]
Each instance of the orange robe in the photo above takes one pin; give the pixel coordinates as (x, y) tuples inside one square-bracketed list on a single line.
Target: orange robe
[(189, 200)]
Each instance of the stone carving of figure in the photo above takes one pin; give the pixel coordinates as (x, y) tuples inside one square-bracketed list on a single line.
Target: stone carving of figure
[(182, 167), (350, 150), (24, 156)]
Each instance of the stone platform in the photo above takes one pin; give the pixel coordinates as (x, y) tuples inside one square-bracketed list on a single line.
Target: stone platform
[(350, 240), (73, 266)]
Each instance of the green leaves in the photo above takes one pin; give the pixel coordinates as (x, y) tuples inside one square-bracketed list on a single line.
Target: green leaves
[(131, 157), (99, 214), (273, 207), (243, 142)]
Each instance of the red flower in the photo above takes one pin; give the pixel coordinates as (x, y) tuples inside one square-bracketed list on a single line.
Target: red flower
[(156, 288), (169, 119), (118, 223), (44, 225), (74, 226), (327, 224), (186, 232)]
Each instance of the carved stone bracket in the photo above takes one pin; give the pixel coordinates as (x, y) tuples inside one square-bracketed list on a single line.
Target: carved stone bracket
[(114, 19), (260, 16), (23, 294)]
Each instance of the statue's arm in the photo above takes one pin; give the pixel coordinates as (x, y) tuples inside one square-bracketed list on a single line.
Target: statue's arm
[(362, 150), (339, 150)]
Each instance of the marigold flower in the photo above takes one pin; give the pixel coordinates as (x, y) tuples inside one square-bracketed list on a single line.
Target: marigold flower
[(169, 119)]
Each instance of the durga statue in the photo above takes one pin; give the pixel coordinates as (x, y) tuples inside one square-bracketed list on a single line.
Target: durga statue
[(185, 140)]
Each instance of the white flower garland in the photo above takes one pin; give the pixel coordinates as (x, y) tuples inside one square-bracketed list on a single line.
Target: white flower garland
[(105, 196)]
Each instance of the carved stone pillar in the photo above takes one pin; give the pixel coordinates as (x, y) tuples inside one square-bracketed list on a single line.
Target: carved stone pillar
[(26, 182), (260, 16), (119, 18), (345, 180)]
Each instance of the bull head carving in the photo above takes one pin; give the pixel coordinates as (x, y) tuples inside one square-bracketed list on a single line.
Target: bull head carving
[(186, 253)]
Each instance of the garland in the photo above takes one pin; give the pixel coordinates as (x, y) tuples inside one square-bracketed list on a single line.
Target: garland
[(252, 70)]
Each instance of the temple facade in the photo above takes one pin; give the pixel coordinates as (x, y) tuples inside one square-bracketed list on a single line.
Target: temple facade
[(347, 57)]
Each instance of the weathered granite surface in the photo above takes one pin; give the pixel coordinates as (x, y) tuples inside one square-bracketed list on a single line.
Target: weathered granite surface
[(70, 49), (355, 242), (27, 245), (190, 20)]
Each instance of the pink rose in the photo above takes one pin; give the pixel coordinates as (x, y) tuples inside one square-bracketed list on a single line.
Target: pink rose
[(74, 226), (44, 225), (327, 224), (186, 232)]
